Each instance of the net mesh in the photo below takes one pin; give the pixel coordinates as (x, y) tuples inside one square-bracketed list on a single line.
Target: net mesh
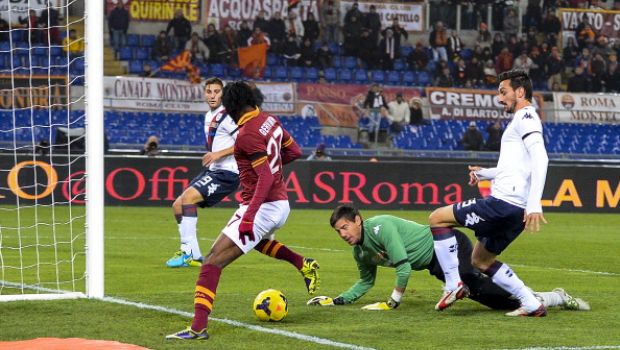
[(42, 119)]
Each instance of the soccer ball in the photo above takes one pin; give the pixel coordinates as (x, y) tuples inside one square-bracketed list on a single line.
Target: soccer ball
[(270, 305)]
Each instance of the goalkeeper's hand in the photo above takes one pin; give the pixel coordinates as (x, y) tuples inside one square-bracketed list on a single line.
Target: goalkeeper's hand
[(325, 301), (382, 306)]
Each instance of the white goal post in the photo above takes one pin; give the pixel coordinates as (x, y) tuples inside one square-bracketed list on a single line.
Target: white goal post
[(51, 200)]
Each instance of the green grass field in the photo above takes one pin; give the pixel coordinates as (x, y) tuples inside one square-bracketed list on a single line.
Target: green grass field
[(579, 252)]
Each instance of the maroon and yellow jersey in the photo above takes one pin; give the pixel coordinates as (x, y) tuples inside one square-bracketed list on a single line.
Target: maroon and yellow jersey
[(261, 142)]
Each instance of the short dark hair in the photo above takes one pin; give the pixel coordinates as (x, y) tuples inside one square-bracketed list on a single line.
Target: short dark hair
[(214, 80), (346, 211), (236, 97), (518, 78)]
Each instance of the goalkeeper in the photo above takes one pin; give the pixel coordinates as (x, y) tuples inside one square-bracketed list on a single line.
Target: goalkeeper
[(406, 245)]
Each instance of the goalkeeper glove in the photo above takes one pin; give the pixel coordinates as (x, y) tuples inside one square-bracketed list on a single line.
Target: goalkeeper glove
[(382, 306), (325, 301)]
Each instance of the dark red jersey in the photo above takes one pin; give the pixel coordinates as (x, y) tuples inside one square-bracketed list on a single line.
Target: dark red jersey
[(263, 142)]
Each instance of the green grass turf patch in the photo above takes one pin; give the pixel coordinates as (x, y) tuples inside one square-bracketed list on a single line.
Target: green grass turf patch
[(566, 253)]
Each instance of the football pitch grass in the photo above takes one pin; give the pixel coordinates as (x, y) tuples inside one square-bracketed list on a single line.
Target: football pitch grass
[(579, 252)]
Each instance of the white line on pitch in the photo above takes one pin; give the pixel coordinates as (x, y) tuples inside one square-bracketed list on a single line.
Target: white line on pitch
[(594, 347), (299, 336)]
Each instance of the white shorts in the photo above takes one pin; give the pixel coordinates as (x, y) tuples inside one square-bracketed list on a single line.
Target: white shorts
[(270, 217)]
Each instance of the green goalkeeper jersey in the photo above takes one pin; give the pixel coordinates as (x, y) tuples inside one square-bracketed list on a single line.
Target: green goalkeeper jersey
[(393, 242)]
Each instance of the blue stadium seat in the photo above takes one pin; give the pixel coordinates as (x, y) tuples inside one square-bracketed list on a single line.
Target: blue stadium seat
[(147, 40), (311, 74), (345, 75), (142, 53), (235, 73), (125, 53), (377, 76), (272, 59), (405, 50), (337, 62), (330, 74), (135, 67), (424, 78), (218, 70), (350, 62), (466, 54), (268, 73), (409, 78), (361, 76), (280, 73), (399, 64), (296, 73), (393, 78), (133, 40)]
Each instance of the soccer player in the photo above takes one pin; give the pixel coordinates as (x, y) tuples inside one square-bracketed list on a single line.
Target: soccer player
[(405, 245), (518, 182), (218, 179), (263, 146)]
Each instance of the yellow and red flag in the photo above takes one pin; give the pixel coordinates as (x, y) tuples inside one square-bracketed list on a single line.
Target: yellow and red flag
[(183, 62), (252, 60)]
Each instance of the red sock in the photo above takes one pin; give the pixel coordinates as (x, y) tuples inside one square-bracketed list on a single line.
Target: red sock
[(204, 295), (278, 250)]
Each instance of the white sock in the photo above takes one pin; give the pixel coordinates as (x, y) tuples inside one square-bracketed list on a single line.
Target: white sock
[(446, 252), (189, 242), (510, 282), (550, 299)]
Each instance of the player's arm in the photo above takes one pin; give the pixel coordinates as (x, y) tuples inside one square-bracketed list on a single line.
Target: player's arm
[(260, 164), (535, 145), (477, 173), (290, 149), (211, 157), (368, 274)]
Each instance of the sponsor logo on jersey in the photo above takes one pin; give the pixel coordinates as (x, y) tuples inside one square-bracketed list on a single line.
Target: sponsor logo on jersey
[(212, 188), (527, 116), (376, 229)]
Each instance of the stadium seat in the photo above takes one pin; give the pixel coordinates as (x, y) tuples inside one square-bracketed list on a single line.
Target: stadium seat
[(330, 74), (280, 73), (424, 78), (350, 62), (142, 53), (133, 40), (135, 67), (377, 76), (409, 78), (405, 50), (296, 74), (218, 70), (361, 76), (393, 77), (345, 75), (311, 74), (147, 40), (267, 73), (399, 64), (125, 54), (337, 62)]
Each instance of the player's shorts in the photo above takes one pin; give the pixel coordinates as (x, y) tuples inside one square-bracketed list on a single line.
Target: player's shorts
[(215, 185), (270, 217), (496, 223)]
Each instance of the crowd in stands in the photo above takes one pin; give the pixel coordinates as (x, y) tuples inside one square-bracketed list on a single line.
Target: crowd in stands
[(587, 63)]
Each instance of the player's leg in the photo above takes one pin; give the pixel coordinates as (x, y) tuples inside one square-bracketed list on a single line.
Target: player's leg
[(185, 207), (559, 297), (277, 212), (442, 221), (502, 275), (481, 288)]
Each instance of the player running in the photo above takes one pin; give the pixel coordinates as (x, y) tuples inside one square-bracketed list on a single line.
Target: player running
[(405, 245), (218, 179), (263, 146), (518, 183)]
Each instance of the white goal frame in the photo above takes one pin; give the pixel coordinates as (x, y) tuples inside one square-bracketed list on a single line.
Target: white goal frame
[(94, 143)]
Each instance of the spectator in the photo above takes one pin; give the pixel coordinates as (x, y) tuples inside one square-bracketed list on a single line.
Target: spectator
[(354, 11), (551, 24), (198, 49), (490, 73), (182, 29), (494, 140), (243, 34), (586, 36), (514, 45), (352, 32), (118, 23), (504, 61), (373, 23), (571, 51), (438, 40), (445, 78), (455, 45), (416, 117), (474, 72), (294, 25), (32, 22), (598, 72), (556, 87), (468, 15), (49, 19), (460, 76), (307, 57), (584, 60), (400, 35), (532, 38), (162, 48), (611, 80), (217, 51), (388, 49), (554, 67), (291, 51), (73, 45), (511, 22), (368, 52), (374, 98), (151, 147), (533, 15), (261, 21), (319, 153), (330, 22), (147, 70), (484, 36), (522, 62), (602, 46), (399, 110), (472, 139), (498, 44), (579, 82), (311, 28), (276, 30), (324, 56), (258, 37), (418, 57), (4, 30), (230, 38)]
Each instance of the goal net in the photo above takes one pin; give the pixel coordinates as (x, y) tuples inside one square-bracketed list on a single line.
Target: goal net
[(51, 210)]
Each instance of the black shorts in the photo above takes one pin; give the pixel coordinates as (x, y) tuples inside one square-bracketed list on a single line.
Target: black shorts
[(495, 222), (215, 185)]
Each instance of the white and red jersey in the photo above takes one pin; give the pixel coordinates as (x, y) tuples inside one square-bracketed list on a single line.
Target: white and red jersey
[(221, 133)]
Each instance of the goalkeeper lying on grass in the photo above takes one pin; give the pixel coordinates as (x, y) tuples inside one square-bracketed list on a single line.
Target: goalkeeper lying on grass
[(406, 245)]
